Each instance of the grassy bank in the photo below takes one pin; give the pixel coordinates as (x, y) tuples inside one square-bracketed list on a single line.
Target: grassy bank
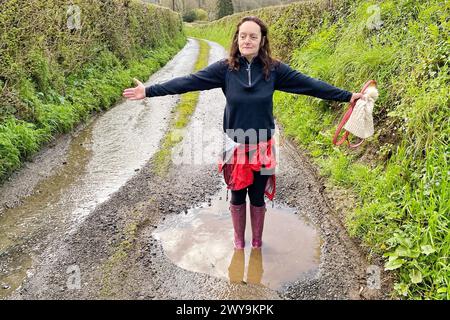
[(55, 72), (400, 175)]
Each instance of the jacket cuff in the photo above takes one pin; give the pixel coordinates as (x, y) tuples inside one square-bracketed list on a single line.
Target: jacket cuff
[(147, 91), (348, 96)]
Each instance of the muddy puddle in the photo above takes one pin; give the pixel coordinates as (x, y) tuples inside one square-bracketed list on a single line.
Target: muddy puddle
[(200, 240)]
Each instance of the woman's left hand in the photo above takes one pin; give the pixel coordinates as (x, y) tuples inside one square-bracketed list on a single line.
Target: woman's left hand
[(356, 96)]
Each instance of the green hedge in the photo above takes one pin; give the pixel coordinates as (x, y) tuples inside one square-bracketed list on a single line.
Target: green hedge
[(401, 174), (54, 72)]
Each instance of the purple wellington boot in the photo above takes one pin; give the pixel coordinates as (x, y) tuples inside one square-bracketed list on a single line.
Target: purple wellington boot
[(238, 216), (257, 215)]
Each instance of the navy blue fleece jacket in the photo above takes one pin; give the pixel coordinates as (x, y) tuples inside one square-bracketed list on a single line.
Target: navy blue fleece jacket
[(248, 95)]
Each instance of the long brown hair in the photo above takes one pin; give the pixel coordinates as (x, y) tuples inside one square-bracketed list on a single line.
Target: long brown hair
[(264, 51)]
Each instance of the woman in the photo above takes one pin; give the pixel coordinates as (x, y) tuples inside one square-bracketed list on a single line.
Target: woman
[(248, 78)]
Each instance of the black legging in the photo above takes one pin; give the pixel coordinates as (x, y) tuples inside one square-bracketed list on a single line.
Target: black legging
[(255, 191)]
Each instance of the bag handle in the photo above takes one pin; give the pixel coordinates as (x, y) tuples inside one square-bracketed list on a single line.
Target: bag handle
[(345, 119)]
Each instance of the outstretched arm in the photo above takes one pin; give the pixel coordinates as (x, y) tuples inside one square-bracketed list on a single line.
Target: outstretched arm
[(291, 80), (213, 76)]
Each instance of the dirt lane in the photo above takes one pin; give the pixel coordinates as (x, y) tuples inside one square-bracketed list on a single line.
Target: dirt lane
[(113, 253)]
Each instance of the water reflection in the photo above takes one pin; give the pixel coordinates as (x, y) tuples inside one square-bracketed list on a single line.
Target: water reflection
[(254, 270)]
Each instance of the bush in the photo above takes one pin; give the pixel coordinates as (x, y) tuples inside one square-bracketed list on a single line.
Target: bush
[(201, 15), (189, 16)]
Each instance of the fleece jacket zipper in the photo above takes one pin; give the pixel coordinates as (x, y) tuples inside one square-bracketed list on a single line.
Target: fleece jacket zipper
[(249, 74)]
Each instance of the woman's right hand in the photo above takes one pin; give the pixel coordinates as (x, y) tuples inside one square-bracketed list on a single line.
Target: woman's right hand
[(135, 93), (356, 96)]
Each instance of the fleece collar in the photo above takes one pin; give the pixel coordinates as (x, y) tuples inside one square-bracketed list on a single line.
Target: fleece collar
[(245, 61)]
